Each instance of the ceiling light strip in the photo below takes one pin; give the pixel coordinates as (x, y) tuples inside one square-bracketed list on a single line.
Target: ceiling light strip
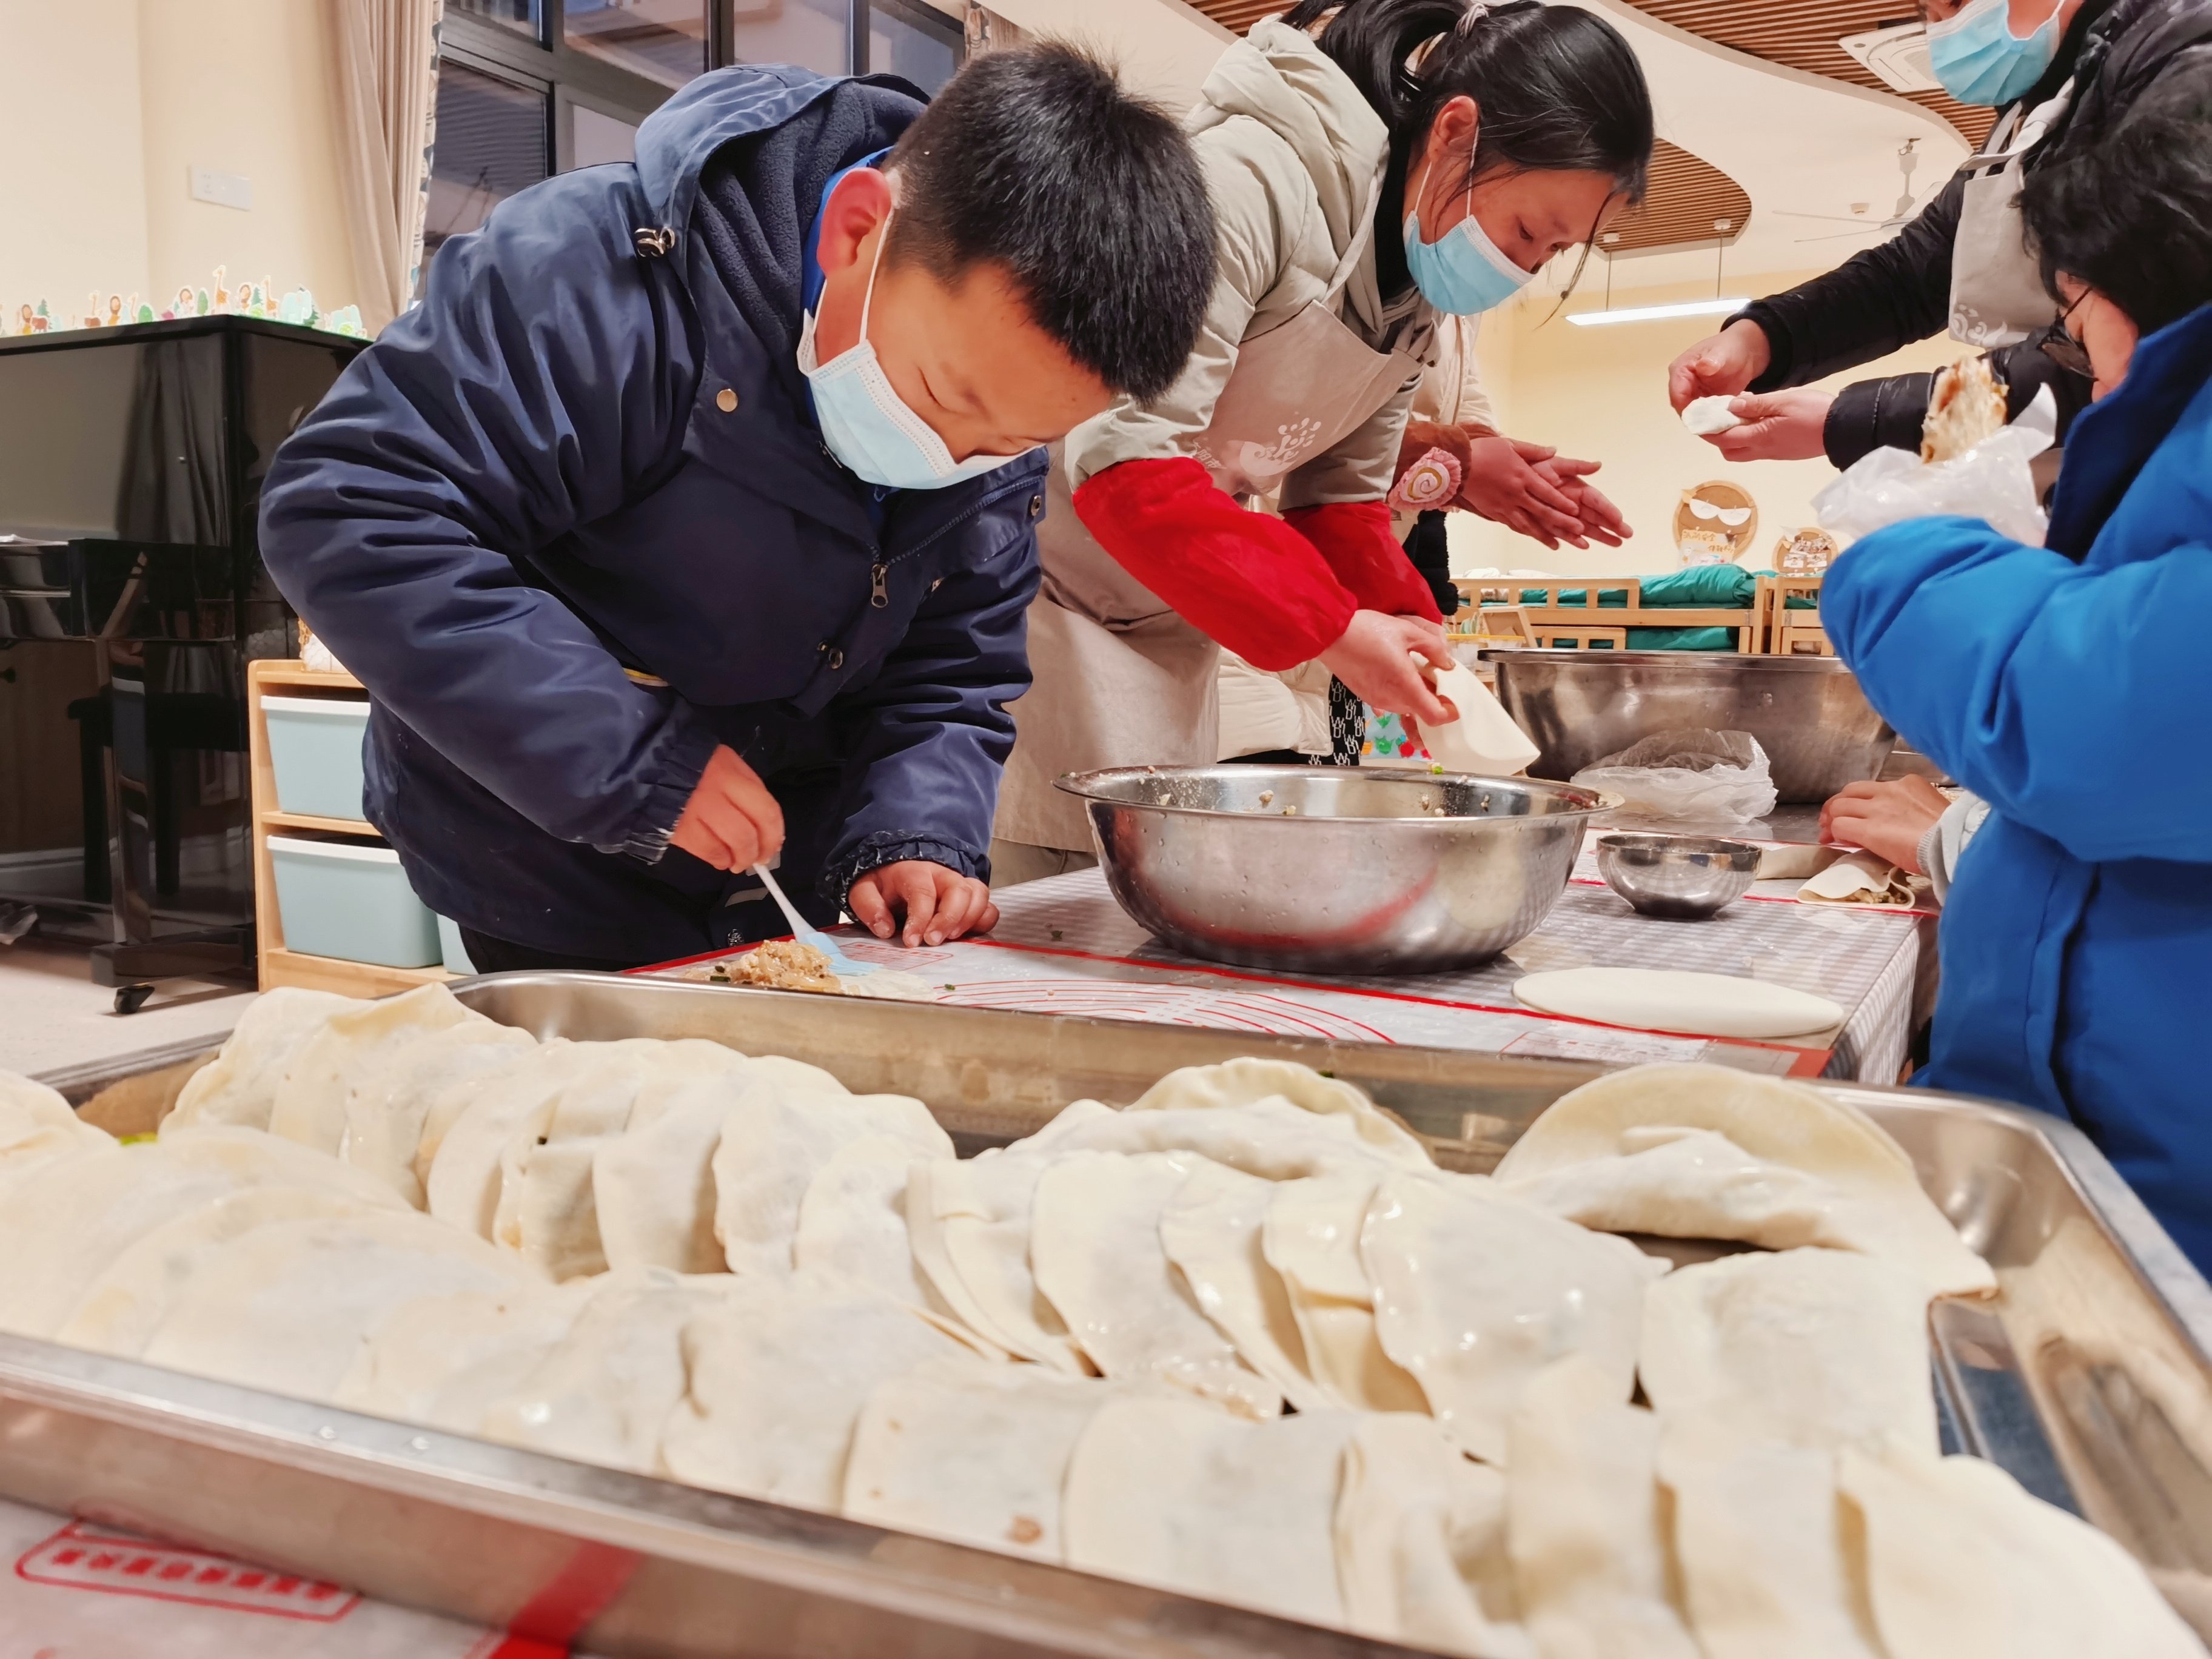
[(1657, 313)]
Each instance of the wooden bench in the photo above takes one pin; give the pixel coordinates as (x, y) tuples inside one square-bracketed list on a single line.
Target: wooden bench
[(1783, 632)]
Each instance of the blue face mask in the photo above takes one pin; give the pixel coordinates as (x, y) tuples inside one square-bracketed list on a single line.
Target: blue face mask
[(867, 425), (1462, 270), (1979, 60)]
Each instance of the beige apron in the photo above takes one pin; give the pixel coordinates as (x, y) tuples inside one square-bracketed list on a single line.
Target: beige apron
[(1120, 679), (1998, 296)]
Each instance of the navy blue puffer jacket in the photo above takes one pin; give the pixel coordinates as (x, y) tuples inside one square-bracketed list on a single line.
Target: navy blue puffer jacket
[(571, 522)]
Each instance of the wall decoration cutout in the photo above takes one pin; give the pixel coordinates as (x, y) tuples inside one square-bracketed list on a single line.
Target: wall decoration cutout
[(1715, 523)]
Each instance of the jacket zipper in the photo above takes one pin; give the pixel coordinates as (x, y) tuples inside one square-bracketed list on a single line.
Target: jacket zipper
[(880, 596)]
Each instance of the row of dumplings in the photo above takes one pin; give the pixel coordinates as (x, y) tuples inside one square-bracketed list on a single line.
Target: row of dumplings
[(1262, 1350)]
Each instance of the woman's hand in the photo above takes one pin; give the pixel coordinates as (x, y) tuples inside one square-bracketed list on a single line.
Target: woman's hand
[(1375, 659), (1887, 819), (1720, 365), (1777, 426), (924, 904), (730, 821), (1506, 481), (1601, 519)]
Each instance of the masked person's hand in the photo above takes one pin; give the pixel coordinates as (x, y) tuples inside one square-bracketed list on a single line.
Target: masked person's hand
[(1777, 426), (1719, 365), (1506, 483), (924, 904), (1601, 519), (1375, 659), (1889, 819), (730, 821)]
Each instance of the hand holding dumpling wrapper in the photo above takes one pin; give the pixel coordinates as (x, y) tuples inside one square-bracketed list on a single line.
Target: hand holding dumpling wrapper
[(1483, 740)]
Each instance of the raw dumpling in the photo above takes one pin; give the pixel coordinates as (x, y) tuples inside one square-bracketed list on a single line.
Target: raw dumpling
[(1475, 1294), (1273, 1139), (779, 1371), (387, 1102), (61, 1230), (1095, 1248), (1585, 1525), (1311, 1239), (442, 1360), (1757, 1529), (239, 1086), (774, 1141), (970, 1221), (853, 1221), (1214, 1231), (351, 1045), (1962, 1564), (602, 1393), (1190, 1498), (1777, 1121), (1249, 1080), (972, 1451), (125, 1304), (290, 1306), (470, 1123), (37, 1126), (1817, 1348), (1693, 1183), (654, 1185), (547, 1210), (1420, 1543)]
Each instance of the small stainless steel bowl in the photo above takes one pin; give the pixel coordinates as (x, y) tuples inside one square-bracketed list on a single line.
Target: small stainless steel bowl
[(1681, 878), (1335, 869)]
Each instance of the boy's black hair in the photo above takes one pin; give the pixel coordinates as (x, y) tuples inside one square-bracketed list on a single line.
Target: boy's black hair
[(1036, 159), (2132, 216)]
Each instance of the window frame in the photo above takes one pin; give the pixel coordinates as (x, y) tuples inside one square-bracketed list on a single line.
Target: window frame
[(916, 14)]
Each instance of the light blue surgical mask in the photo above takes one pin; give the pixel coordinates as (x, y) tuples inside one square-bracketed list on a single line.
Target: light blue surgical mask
[(1463, 271), (866, 424), (1979, 59)]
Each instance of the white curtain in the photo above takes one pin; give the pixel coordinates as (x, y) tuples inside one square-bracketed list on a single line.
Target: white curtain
[(387, 85)]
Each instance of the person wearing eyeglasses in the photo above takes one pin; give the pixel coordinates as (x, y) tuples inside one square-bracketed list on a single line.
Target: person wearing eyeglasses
[(2062, 74), (2066, 686)]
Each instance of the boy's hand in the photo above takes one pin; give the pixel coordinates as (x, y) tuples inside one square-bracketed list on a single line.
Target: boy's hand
[(924, 904), (730, 821)]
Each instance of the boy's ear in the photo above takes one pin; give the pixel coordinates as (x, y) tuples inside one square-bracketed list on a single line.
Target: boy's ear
[(861, 201)]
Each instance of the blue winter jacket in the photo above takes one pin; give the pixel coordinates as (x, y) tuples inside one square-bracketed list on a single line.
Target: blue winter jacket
[(572, 523), (2071, 687)]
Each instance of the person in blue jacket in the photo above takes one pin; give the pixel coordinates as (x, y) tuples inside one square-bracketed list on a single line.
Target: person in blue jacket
[(688, 521), (2068, 686)]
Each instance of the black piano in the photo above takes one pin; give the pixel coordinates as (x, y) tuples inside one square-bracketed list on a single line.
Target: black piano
[(131, 597)]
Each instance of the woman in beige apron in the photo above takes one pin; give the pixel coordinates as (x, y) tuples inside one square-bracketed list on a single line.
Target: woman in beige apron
[(1370, 164)]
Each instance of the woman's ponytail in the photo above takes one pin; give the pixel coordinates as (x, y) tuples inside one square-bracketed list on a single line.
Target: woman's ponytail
[(1558, 88)]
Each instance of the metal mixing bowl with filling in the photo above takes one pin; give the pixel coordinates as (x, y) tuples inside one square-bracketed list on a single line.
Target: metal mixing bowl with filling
[(1577, 707), (1334, 870)]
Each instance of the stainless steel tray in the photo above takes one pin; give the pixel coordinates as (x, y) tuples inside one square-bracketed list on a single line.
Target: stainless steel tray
[(2090, 1377)]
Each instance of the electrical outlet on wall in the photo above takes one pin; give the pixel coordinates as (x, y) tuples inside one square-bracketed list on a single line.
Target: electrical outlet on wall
[(230, 190)]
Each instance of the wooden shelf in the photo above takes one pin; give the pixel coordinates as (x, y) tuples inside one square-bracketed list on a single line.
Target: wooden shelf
[(276, 819), (354, 979), (278, 964)]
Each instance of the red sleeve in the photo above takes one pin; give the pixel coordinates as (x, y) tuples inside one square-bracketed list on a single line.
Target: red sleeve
[(1355, 538), (1242, 578)]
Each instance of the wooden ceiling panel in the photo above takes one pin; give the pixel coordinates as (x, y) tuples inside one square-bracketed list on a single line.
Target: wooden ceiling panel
[(1801, 34), (1685, 199)]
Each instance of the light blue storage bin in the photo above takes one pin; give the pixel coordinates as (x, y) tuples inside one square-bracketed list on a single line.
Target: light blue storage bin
[(314, 749), (342, 899), (454, 953)]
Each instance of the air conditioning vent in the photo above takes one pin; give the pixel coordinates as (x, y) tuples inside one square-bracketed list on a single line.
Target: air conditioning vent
[(1897, 56)]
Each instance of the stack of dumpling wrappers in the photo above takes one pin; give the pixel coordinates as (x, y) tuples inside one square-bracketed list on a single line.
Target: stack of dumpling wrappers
[(1241, 1340)]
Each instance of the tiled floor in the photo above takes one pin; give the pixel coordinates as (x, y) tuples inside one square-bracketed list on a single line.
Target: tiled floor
[(52, 1014)]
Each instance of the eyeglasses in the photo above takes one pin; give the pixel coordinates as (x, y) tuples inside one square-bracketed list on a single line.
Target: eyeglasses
[(2059, 344)]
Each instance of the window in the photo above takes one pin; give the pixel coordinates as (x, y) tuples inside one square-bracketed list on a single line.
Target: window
[(530, 88)]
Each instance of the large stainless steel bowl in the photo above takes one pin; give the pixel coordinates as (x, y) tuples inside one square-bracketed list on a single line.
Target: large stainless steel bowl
[(1333, 870), (1817, 729)]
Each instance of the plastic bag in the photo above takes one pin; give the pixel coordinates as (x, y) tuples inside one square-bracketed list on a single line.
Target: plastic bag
[(1991, 481), (1700, 775)]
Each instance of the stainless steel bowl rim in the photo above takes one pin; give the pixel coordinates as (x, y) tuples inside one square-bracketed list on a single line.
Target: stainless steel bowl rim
[(1603, 801), (1688, 661), (1638, 847)]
